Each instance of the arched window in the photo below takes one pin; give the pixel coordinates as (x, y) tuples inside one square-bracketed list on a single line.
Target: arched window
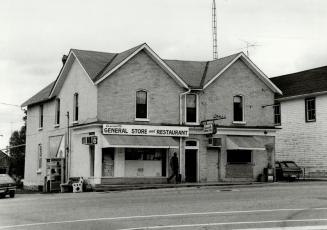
[(191, 108), (141, 104), (75, 107), (57, 114)]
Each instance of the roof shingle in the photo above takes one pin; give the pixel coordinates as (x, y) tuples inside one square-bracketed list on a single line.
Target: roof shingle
[(300, 83)]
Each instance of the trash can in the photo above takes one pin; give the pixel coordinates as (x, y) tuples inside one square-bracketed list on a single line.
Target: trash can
[(268, 174)]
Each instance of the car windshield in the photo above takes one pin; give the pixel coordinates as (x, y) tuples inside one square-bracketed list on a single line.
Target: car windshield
[(4, 178), (291, 164)]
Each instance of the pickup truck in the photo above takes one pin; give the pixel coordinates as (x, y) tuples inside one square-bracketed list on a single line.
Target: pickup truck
[(287, 170)]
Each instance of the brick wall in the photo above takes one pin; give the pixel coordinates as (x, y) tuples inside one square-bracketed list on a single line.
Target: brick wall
[(238, 80), (117, 93)]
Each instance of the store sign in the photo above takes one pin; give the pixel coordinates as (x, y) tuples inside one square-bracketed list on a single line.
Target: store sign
[(208, 128), (145, 130)]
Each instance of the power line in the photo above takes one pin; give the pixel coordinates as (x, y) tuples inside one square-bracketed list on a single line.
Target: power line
[(3, 103)]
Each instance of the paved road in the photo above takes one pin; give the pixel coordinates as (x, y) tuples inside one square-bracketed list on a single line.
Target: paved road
[(278, 206)]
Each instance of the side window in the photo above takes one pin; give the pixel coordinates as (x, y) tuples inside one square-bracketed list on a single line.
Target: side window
[(39, 158), (191, 108), (238, 108), (41, 117), (76, 108), (277, 114), (141, 104), (310, 109), (57, 113)]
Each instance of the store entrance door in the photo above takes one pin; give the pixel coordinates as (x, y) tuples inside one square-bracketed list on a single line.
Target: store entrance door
[(108, 155), (191, 165)]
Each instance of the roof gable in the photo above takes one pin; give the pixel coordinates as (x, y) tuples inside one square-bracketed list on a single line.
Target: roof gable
[(302, 83), (127, 55), (251, 65)]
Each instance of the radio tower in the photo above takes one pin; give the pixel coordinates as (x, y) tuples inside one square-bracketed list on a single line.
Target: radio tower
[(214, 30)]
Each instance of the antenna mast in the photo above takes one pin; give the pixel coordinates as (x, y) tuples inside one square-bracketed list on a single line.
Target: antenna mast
[(214, 30)]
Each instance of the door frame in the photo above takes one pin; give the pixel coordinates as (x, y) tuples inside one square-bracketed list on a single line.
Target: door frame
[(195, 147)]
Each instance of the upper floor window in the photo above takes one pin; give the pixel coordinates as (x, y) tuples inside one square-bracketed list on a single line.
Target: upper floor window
[(141, 104), (310, 109), (238, 108), (277, 114), (39, 158), (57, 114), (75, 114), (191, 108), (41, 116)]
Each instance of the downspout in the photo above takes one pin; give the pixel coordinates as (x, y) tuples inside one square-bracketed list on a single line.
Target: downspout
[(180, 123)]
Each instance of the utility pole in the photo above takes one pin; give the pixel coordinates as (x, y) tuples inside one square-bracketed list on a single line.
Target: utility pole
[(67, 148)]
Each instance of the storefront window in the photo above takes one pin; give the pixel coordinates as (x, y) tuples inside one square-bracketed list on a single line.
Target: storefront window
[(143, 154), (239, 156)]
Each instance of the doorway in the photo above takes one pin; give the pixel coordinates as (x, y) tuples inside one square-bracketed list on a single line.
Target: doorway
[(191, 165), (108, 155)]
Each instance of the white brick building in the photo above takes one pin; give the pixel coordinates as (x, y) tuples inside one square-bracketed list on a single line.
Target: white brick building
[(303, 120), (142, 109)]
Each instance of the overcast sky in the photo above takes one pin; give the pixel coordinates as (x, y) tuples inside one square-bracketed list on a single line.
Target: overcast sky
[(291, 35)]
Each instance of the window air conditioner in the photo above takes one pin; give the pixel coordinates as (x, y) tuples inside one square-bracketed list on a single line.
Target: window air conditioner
[(214, 142), (91, 140)]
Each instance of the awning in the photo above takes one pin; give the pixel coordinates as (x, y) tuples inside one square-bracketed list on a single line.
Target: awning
[(243, 143), (120, 141)]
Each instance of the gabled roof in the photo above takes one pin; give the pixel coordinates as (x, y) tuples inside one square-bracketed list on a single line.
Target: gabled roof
[(116, 60), (92, 61), (41, 96), (302, 83), (188, 74)]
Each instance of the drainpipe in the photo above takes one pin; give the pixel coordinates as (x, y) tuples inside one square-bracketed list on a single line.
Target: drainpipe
[(181, 122)]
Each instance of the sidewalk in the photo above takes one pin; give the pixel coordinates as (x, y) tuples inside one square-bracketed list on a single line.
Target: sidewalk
[(120, 187)]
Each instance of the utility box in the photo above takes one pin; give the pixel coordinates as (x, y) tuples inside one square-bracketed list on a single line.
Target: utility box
[(268, 174)]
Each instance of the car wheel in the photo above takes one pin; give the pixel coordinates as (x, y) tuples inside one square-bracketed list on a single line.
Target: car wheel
[(12, 194), (2, 195)]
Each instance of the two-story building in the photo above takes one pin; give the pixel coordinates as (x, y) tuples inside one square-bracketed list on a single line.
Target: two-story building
[(301, 112), (119, 117)]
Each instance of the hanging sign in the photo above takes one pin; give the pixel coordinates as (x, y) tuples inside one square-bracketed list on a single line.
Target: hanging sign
[(145, 130)]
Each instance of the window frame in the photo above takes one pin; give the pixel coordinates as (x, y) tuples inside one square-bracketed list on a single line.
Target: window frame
[(41, 116), (39, 158), (307, 111), (196, 109), (277, 116), (243, 110), (147, 106), (76, 108), (57, 113)]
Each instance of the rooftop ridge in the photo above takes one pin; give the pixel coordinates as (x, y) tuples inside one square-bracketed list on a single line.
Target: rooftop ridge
[(302, 71)]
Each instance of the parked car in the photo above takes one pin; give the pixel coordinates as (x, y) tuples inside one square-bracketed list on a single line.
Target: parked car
[(7, 186), (287, 170)]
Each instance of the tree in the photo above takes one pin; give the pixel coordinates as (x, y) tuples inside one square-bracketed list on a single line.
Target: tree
[(17, 163)]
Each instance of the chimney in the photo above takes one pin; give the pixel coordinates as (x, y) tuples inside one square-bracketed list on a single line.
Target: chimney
[(64, 59)]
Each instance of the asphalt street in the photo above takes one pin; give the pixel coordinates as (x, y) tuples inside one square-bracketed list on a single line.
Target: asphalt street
[(298, 205)]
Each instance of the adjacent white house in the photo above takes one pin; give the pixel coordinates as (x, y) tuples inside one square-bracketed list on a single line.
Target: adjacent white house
[(301, 113)]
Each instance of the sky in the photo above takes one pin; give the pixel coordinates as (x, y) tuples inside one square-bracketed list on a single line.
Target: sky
[(288, 36)]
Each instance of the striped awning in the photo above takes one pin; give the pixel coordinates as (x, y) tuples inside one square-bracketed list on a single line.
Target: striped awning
[(243, 143), (120, 141)]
